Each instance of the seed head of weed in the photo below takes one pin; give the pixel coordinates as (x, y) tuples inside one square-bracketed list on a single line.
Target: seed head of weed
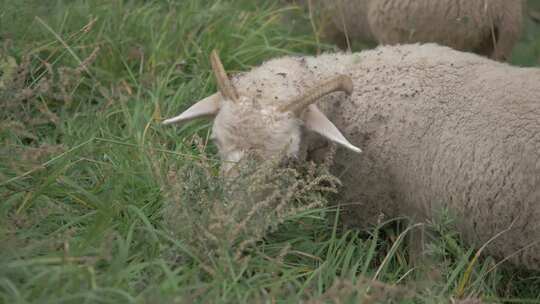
[(33, 90), (363, 290), (223, 217)]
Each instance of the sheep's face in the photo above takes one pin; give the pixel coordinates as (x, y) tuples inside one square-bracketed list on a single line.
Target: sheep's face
[(243, 126)]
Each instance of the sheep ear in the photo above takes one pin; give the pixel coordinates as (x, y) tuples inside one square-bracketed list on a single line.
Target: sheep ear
[(317, 122), (206, 107)]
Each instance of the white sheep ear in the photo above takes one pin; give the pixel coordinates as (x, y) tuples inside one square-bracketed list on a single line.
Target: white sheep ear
[(203, 108), (317, 122)]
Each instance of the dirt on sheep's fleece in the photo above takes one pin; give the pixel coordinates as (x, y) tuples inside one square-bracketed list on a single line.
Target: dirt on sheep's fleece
[(94, 210)]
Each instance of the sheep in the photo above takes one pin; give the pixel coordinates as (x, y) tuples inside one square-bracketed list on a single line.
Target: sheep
[(487, 27), (440, 130)]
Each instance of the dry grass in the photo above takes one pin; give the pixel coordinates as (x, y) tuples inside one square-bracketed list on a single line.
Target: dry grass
[(33, 90), (364, 291), (219, 217), (101, 204)]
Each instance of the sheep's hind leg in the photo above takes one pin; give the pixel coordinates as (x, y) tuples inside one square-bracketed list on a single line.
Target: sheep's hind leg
[(334, 35), (502, 50), (506, 34)]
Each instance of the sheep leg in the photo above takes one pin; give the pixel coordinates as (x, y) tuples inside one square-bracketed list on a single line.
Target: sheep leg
[(332, 33), (506, 35), (416, 246)]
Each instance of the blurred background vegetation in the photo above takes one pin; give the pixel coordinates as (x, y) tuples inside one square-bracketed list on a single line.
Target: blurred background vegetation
[(87, 212), (527, 52)]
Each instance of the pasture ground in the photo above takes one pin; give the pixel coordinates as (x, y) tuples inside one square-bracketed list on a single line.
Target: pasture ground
[(85, 214)]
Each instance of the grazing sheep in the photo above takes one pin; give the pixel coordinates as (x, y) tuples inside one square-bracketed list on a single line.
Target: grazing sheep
[(440, 129), (487, 27)]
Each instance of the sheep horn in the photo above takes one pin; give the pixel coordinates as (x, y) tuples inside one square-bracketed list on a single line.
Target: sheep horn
[(338, 83), (225, 85)]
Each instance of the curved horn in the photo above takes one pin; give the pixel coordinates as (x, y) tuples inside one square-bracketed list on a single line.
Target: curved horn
[(338, 83), (225, 85)]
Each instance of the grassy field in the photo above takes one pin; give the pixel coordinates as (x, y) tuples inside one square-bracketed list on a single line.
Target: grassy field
[(101, 204)]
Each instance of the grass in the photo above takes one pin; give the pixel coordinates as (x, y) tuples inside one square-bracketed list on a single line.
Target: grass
[(88, 213)]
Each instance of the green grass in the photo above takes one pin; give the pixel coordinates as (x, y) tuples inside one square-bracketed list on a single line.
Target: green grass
[(85, 206)]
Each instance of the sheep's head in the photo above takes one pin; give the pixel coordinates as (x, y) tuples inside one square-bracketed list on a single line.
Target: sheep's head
[(245, 126)]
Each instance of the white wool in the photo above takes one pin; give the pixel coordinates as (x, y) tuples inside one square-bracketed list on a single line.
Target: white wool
[(486, 27), (439, 129)]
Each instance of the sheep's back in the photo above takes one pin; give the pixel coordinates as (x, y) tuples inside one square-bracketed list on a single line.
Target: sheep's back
[(461, 24), (441, 129), (466, 25)]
